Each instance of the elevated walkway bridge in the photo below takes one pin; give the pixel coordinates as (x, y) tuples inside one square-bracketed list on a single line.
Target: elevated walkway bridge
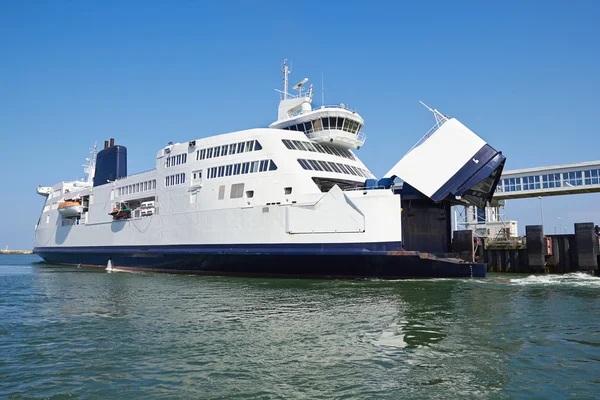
[(555, 180), (540, 182)]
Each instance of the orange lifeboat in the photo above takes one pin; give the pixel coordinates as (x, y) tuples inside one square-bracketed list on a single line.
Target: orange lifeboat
[(70, 208)]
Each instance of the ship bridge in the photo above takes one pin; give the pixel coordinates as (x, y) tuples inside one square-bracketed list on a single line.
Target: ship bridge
[(337, 125)]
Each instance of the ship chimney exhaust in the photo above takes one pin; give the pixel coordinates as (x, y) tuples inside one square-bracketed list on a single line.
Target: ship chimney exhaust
[(112, 142), (106, 144)]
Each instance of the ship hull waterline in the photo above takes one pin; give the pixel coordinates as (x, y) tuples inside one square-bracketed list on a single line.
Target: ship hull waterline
[(282, 262)]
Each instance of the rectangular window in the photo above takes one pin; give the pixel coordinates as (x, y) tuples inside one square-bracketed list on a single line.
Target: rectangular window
[(217, 151), (232, 148), (182, 178), (236, 169), (154, 184), (327, 149), (254, 167), (317, 125), (184, 158), (221, 192), (310, 147), (245, 168), (325, 123), (240, 147), (237, 191), (177, 179), (167, 181), (209, 153), (319, 148), (263, 165), (221, 171), (332, 122), (224, 150), (288, 144), (334, 167), (228, 170), (303, 164), (315, 165), (250, 145), (324, 166)]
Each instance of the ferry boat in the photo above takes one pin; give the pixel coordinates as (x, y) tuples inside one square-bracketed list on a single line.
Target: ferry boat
[(289, 200)]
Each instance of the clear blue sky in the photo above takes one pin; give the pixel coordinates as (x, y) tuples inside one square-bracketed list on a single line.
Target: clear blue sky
[(523, 75)]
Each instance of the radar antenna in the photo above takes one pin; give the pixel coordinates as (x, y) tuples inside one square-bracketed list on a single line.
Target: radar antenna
[(298, 86)]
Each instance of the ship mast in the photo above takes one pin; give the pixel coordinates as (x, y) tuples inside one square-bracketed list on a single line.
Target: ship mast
[(286, 71), (90, 166)]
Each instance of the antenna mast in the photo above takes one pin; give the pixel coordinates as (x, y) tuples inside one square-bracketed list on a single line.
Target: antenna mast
[(322, 90), (286, 71), (90, 166)]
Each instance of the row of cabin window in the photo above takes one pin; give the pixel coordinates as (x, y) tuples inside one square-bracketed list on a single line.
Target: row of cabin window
[(136, 188), (341, 123), (328, 166), (176, 160), (241, 168), (228, 149), (314, 147), (176, 179)]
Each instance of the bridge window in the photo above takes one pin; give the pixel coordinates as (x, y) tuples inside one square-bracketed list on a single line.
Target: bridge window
[(573, 178), (531, 182), (550, 181), (512, 184), (591, 177)]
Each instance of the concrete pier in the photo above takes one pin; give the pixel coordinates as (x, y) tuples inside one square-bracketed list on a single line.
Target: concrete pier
[(536, 253)]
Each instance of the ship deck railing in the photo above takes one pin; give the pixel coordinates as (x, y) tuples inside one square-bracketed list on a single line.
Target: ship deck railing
[(356, 189), (136, 174)]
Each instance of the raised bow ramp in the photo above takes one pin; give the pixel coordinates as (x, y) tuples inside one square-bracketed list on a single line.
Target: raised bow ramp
[(450, 163)]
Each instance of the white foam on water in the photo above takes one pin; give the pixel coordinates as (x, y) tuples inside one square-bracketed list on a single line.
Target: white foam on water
[(572, 279), (113, 269)]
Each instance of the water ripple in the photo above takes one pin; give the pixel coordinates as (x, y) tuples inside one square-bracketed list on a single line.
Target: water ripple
[(68, 332)]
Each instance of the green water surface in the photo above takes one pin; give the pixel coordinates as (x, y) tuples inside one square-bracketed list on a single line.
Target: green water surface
[(79, 333)]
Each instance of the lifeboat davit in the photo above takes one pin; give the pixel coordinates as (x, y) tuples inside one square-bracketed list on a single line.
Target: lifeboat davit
[(44, 190), (70, 208)]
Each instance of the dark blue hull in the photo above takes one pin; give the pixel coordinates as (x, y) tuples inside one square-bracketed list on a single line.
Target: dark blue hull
[(368, 260)]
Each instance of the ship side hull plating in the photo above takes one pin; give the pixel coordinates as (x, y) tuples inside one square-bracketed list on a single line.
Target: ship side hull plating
[(358, 260)]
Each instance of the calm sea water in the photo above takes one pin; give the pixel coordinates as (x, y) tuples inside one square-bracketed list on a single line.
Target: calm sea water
[(79, 333)]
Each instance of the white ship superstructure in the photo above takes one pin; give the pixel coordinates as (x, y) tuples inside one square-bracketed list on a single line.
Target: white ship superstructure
[(291, 199)]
